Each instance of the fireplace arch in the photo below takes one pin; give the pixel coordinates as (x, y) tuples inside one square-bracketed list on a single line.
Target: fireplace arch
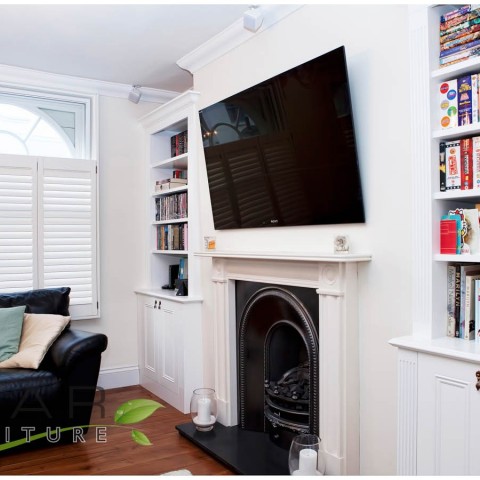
[(278, 359)]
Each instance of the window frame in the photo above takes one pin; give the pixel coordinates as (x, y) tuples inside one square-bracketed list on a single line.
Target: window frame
[(42, 99), (90, 152)]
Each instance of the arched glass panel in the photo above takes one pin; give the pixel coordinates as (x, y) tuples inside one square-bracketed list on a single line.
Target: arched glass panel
[(32, 132)]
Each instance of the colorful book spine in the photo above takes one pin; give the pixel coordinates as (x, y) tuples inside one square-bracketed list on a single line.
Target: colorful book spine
[(453, 157), (463, 55), (461, 27), (459, 41), (459, 19), (442, 167), (454, 216), (466, 173), (475, 116), (455, 13), (457, 301), (448, 104), (476, 161), (460, 48), (461, 32), (464, 90), (451, 301)]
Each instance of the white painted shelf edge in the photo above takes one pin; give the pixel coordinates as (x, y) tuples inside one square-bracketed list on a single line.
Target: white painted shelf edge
[(173, 190), (168, 295), (172, 220), (442, 257), (456, 348), (179, 161), (302, 257)]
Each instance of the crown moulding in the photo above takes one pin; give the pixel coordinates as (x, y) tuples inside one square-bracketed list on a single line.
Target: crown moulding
[(22, 77), (232, 37)]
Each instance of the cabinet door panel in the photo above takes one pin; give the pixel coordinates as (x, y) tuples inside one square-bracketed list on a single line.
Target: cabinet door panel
[(448, 417), (149, 344), (168, 349)]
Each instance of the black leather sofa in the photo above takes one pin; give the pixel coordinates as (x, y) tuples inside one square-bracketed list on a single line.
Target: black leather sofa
[(61, 392)]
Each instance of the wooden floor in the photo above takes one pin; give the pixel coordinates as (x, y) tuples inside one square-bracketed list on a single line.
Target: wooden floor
[(119, 455)]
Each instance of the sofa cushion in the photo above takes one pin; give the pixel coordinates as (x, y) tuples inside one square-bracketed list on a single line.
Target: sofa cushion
[(11, 321), (38, 333), (18, 385), (46, 300)]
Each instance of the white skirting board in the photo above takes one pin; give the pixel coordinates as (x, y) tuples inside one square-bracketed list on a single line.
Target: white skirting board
[(118, 377)]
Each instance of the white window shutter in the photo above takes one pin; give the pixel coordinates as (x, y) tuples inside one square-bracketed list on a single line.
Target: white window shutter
[(68, 231), (18, 208)]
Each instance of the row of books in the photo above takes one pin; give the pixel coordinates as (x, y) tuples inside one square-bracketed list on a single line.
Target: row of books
[(180, 173), (460, 231), (171, 207), (172, 237), (459, 163), (463, 301), (179, 144), (459, 35), (169, 183), (458, 101)]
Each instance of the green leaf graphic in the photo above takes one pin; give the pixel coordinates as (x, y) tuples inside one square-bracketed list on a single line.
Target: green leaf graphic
[(140, 438), (135, 411)]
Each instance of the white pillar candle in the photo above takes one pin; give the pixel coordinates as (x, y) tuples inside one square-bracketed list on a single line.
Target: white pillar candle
[(204, 411), (307, 462)]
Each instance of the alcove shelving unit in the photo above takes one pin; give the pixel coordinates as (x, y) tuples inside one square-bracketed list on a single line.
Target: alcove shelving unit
[(438, 402), (170, 325)]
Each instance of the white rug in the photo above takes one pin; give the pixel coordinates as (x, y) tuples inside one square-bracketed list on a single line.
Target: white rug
[(178, 472)]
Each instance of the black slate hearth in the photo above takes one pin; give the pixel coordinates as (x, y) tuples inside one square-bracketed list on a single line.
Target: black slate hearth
[(243, 451)]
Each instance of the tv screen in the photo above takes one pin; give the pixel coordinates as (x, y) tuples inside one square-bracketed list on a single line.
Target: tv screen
[(283, 152)]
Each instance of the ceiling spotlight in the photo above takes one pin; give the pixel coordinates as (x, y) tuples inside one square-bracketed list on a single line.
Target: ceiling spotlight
[(135, 94), (252, 19)]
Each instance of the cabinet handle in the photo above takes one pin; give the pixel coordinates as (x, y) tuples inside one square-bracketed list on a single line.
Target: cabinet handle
[(477, 385), (155, 304)]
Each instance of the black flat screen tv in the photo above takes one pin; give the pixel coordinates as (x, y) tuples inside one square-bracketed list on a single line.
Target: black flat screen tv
[(283, 152)]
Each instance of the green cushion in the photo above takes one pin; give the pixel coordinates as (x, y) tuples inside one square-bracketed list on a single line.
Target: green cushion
[(11, 321)]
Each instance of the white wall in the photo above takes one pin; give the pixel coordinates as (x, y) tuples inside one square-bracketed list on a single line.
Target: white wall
[(376, 42), (122, 227)]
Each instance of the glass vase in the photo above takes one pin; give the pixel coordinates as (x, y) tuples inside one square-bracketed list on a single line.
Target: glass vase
[(306, 456), (203, 409)]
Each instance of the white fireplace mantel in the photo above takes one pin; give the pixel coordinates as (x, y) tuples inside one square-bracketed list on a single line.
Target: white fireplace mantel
[(334, 277)]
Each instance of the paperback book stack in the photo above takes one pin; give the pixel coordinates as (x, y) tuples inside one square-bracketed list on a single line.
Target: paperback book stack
[(459, 34)]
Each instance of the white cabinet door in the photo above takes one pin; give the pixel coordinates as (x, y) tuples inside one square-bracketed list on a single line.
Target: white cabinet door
[(448, 417), (169, 345), (149, 351)]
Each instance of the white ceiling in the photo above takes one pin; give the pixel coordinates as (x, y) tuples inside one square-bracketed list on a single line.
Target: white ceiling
[(127, 44)]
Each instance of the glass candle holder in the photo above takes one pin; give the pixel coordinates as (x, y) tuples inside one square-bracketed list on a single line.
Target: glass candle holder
[(306, 456), (203, 409)]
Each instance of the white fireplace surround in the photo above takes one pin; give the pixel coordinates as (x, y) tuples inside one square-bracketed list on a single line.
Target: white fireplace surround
[(335, 279)]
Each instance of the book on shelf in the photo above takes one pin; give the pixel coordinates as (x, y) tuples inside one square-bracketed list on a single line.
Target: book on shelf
[(171, 237), (470, 236), (448, 104), (465, 271), (467, 327), (449, 233), (467, 167), (472, 14), (464, 91), (460, 27), (460, 39), (458, 231), (451, 300), (442, 167), (170, 183), (171, 207), (460, 48), (464, 9), (476, 162), (180, 174), (453, 163), (460, 32), (477, 311), (179, 144)]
